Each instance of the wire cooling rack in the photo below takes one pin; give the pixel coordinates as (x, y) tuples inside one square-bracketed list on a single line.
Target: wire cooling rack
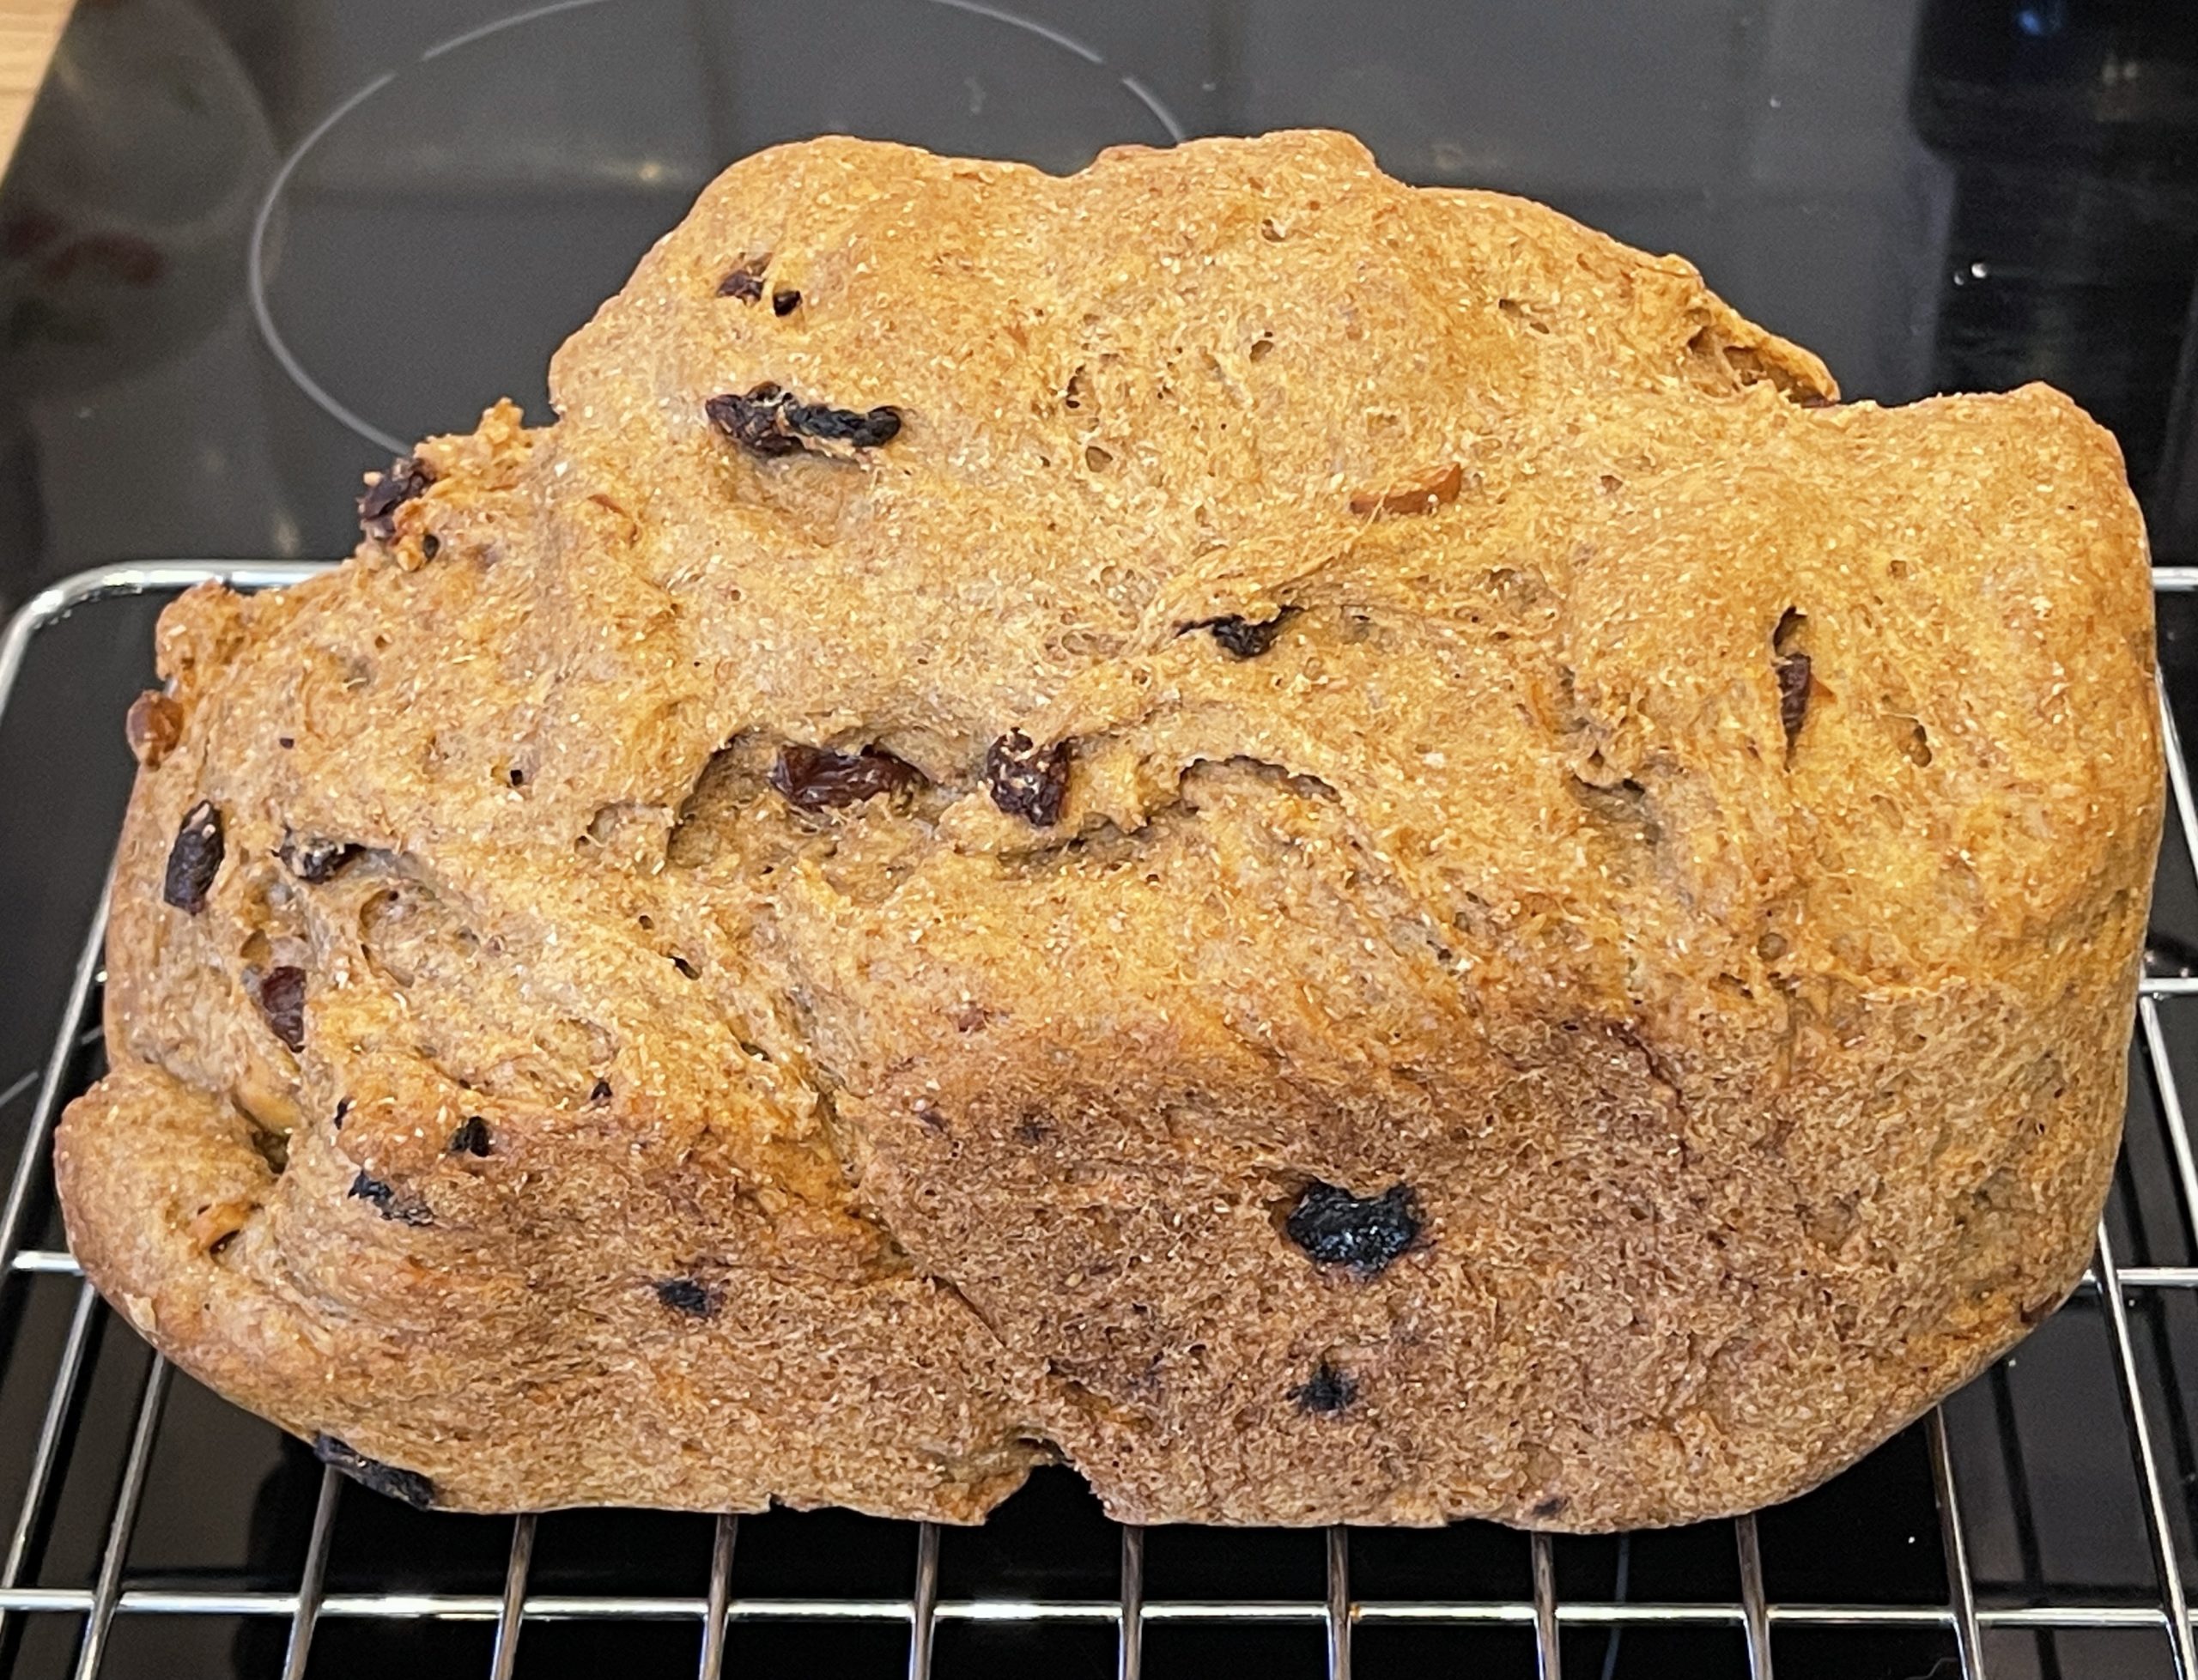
[(2031, 1526)]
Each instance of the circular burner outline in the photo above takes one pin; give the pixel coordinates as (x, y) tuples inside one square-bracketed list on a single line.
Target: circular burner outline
[(255, 259)]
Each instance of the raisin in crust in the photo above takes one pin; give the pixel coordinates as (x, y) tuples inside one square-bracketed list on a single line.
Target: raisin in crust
[(1612, 1007)]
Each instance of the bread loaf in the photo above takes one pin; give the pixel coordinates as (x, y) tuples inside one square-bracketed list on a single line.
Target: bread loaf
[(1338, 852)]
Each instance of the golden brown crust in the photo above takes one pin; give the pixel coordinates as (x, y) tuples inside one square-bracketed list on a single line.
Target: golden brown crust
[(1517, 740)]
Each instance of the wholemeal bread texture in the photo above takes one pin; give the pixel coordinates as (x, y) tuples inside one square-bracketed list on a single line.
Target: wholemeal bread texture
[(1338, 852)]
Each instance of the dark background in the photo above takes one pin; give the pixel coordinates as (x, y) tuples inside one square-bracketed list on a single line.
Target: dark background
[(218, 307)]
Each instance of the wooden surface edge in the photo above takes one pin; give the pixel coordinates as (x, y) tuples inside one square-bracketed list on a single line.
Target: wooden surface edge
[(29, 29)]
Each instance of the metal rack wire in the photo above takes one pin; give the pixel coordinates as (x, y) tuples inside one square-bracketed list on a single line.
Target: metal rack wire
[(1752, 1613)]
